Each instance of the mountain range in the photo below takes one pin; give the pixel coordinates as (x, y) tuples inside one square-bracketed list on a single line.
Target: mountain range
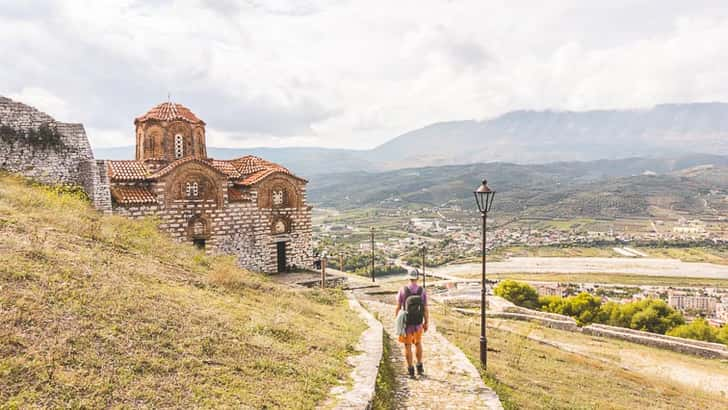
[(524, 137), (691, 186)]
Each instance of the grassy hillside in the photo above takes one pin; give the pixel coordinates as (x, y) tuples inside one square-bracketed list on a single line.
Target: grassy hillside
[(100, 311), (596, 189), (533, 367)]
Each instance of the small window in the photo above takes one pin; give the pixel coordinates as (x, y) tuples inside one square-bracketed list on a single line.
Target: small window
[(179, 148), (192, 189), (278, 197)]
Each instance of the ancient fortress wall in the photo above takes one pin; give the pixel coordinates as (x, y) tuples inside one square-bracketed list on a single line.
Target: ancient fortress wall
[(61, 155)]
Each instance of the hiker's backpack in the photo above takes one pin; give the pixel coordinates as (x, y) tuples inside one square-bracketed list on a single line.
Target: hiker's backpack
[(414, 306)]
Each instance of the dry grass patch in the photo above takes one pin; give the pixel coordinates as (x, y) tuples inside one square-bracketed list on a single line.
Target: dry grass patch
[(528, 374), (99, 311)]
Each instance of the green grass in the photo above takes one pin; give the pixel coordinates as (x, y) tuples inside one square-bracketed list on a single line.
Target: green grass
[(101, 311), (528, 374), (612, 278), (384, 398)]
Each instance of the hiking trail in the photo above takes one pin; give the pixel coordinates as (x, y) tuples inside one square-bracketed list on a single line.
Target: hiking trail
[(450, 382)]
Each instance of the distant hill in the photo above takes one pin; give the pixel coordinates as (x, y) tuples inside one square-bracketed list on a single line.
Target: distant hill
[(105, 312), (544, 136), (524, 137), (605, 188), (303, 161)]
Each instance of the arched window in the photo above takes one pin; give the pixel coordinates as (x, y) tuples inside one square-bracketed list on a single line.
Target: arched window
[(179, 148), (279, 196), (192, 189)]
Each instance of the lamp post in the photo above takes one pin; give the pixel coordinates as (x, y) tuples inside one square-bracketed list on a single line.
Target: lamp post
[(424, 277), (372, 244), (324, 258), (484, 198)]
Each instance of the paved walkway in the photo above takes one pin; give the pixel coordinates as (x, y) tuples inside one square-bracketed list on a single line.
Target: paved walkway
[(451, 381)]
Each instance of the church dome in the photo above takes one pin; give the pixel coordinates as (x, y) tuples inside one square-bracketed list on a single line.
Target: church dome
[(169, 111)]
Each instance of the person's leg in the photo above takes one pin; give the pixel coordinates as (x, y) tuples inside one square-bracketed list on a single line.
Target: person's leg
[(408, 354), (418, 353)]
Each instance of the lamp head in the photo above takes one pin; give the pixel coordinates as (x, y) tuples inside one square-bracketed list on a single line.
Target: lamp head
[(484, 197)]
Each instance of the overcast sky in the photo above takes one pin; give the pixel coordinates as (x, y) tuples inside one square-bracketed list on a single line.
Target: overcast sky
[(353, 73)]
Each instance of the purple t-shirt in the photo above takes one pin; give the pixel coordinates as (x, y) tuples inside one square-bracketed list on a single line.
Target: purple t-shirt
[(400, 300)]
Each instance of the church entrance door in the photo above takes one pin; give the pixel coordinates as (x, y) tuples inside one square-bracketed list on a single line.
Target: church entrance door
[(281, 256)]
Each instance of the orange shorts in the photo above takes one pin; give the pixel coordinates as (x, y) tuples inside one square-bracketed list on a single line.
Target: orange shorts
[(412, 338)]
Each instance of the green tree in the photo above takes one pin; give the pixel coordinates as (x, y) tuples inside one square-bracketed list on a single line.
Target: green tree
[(585, 308), (519, 293), (651, 315), (723, 334), (698, 329)]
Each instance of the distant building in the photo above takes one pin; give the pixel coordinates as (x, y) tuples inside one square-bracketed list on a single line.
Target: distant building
[(684, 302), (695, 226), (550, 290), (425, 224), (721, 312)]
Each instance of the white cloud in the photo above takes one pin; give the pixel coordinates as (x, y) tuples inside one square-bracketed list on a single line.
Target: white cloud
[(354, 73), (43, 100)]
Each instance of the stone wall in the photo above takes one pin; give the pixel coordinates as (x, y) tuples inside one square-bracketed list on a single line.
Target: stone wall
[(70, 162), (237, 228), (694, 347), (556, 321)]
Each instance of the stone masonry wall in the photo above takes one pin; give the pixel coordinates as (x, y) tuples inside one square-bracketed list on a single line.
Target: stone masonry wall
[(71, 163), (237, 228)]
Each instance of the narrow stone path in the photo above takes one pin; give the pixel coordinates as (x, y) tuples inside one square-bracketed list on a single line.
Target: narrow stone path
[(450, 382)]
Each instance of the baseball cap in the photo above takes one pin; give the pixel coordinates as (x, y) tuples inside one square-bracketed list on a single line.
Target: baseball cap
[(413, 274)]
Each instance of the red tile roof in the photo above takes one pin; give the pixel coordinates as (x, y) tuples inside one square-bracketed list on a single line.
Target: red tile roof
[(251, 164), (226, 167), (174, 164), (168, 111), (127, 170), (133, 195), (246, 170)]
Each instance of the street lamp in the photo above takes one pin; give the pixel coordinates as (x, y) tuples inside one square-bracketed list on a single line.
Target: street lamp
[(324, 258), (372, 243), (484, 198)]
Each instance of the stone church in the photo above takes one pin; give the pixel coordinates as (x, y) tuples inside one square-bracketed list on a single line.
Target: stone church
[(249, 207)]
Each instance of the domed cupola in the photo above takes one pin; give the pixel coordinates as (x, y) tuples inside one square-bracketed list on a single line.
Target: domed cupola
[(168, 132)]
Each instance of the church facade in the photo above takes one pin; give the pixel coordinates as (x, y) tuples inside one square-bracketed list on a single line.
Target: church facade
[(248, 207)]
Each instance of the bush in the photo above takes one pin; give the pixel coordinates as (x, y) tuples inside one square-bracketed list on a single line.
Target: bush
[(583, 307), (698, 329), (651, 315), (518, 293), (722, 334)]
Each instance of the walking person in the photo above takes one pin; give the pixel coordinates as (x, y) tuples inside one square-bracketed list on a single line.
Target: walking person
[(412, 319)]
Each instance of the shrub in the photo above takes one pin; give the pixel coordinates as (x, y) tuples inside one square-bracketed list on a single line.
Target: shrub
[(651, 315), (698, 329), (583, 307), (518, 293), (722, 334)]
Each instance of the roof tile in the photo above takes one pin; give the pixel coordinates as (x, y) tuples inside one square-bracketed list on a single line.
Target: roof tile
[(168, 111), (126, 170), (129, 195)]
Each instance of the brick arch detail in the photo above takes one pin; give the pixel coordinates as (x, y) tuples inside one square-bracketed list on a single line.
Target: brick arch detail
[(292, 195), (198, 227), (210, 184)]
